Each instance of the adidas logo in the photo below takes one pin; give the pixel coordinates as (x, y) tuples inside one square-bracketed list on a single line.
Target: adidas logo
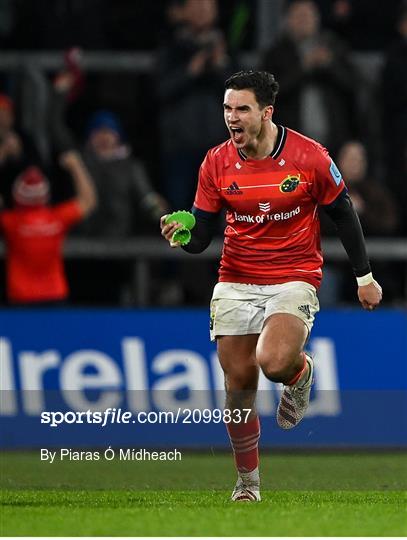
[(233, 189), (306, 310)]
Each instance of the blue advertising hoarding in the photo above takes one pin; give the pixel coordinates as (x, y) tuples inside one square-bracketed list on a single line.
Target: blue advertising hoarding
[(145, 361)]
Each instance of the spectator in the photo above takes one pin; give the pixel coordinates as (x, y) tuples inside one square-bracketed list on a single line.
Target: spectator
[(34, 233), (394, 84), (17, 151), (121, 181), (128, 205), (126, 196), (363, 24), (379, 216), (316, 77), (370, 198), (191, 70)]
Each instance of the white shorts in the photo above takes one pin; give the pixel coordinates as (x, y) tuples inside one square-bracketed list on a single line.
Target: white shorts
[(238, 309)]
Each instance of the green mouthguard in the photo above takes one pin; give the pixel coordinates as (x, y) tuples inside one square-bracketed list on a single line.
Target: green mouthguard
[(183, 236)]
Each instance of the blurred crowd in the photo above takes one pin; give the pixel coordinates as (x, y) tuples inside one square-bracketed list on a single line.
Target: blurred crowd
[(104, 155)]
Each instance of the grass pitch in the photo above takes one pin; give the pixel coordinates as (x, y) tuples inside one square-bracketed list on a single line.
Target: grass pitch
[(303, 495)]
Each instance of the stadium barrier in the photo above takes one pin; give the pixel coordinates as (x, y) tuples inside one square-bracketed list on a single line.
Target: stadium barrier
[(147, 362), (141, 251)]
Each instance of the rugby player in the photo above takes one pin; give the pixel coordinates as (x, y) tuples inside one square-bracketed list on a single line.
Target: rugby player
[(271, 180)]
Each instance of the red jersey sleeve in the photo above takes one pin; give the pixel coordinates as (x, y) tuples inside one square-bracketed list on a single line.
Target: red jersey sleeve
[(328, 181), (68, 212), (207, 195)]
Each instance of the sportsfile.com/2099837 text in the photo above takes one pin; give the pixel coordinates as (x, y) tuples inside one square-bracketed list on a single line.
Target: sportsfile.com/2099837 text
[(118, 416)]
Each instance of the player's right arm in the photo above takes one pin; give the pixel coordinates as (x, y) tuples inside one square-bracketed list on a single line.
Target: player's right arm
[(168, 229), (202, 233)]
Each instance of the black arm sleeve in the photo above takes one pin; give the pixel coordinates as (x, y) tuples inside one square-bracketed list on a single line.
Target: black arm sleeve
[(347, 223), (203, 231)]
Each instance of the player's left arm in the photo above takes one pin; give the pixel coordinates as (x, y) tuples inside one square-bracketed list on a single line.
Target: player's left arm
[(330, 191), (349, 229)]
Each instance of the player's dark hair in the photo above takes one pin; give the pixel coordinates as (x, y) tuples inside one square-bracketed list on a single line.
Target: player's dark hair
[(263, 84)]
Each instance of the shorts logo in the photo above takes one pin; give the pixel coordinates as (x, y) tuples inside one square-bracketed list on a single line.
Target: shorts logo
[(290, 183), (212, 319), (264, 206), (306, 310), (234, 189)]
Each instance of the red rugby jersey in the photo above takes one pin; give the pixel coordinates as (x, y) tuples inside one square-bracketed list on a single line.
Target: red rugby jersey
[(272, 233), (34, 238)]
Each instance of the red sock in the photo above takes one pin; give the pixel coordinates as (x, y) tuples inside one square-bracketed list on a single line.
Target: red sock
[(300, 373), (244, 439)]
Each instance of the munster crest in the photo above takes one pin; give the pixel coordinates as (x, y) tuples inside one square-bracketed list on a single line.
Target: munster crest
[(290, 183)]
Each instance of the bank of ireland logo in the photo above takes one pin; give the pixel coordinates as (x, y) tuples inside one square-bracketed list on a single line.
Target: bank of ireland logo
[(264, 206), (290, 183)]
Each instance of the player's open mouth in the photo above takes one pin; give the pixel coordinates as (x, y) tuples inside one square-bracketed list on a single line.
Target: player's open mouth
[(237, 134)]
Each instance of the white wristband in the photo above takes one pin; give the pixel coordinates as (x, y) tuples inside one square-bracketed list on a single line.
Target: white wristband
[(365, 280)]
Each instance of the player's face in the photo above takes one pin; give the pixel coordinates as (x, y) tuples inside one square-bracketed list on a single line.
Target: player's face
[(243, 117)]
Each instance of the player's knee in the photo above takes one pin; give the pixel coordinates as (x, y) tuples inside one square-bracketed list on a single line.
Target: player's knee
[(277, 366), (274, 373)]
